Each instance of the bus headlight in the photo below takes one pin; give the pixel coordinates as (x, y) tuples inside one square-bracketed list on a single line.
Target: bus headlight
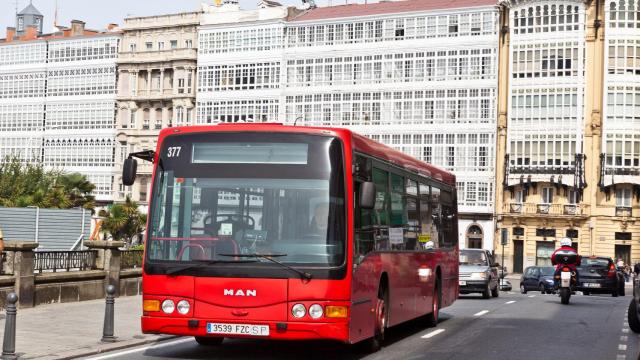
[(183, 307), (168, 306), (298, 310), (315, 311)]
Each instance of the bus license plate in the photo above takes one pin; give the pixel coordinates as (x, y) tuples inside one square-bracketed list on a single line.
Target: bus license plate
[(238, 329), (462, 283)]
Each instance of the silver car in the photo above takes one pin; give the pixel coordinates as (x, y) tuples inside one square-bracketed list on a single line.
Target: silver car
[(478, 273)]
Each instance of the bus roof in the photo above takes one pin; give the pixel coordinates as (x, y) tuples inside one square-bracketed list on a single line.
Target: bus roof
[(359, 143)]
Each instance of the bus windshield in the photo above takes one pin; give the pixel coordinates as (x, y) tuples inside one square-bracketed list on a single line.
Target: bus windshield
[(250, 194)]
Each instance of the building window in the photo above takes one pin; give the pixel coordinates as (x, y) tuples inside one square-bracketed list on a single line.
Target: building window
[(547, 195), (20, 24), (623, 197), (174, 44), (188, 44), (546, 233), (132, 118), (572, 197), (160, 45), (544, 249), (149, 46), (572, 233), (518, 231), (623, 236), (132, 47)]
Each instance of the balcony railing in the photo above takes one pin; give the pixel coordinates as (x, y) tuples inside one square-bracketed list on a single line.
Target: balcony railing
[(621, 171), (527, 169), (65, 260), (546, 209), (157, 55), (623, 211)]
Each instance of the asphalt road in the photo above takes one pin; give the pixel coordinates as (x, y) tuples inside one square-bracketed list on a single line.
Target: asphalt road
[(513, 326)]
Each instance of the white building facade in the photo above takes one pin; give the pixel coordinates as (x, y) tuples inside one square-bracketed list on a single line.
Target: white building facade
[(79, 132), (22, 99), (419, 78)]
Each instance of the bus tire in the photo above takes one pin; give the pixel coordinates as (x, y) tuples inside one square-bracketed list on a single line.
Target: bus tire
[(374, 343), (209, 341), (434, 316)]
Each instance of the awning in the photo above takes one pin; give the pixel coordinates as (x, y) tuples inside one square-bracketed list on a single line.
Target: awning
[(609, 180)]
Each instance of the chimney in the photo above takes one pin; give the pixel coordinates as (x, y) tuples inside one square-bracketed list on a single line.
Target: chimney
[(77, 28), (31, 33), (11, 32), (112, 27)]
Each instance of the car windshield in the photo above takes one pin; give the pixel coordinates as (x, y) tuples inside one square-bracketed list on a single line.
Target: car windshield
[(470, 257), (594, 262), (547, 271), (250, 198)]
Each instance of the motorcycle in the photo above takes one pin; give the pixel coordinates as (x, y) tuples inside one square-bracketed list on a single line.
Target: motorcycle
[(565, 277)]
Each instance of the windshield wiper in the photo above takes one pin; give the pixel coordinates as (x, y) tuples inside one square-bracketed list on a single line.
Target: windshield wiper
[(304, 275), (202, 263)]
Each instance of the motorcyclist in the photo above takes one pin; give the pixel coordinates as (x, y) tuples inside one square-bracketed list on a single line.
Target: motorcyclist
[(565, 245)]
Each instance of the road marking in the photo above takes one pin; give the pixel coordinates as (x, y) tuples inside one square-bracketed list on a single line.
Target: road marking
[(626, 331), (432, 334), (510, 302), (532, 296), (153, 346), (622, 347), (481, 313), (623, 338), (621, 357)]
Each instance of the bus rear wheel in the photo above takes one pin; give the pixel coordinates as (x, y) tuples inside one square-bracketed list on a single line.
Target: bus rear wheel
[(209, 341), (434, 316)]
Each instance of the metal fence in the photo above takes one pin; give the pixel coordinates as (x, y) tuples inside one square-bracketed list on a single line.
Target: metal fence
[(65, 260), (131, 259)]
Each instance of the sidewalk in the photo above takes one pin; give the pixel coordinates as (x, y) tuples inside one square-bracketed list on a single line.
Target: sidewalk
[(69, 330)]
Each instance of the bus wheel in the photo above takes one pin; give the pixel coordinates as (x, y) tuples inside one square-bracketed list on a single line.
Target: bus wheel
[(434, 316), (209, 341), (374, 343)]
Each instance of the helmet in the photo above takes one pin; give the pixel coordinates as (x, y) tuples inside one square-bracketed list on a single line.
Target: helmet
[(565, 242), (429, 245)]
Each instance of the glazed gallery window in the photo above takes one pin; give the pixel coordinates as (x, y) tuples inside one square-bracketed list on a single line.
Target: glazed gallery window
[(64, 153), (622, 151), (460, 106), (240, 40), (398, 29), (623, 56), (22, 54), (81, 115), (84, 49), (239, 77), (420, 66), (547, 18), (21, 117), (554, 60), (623, 14), (27, 149), (213, 112), (82, 81), (22, 85)]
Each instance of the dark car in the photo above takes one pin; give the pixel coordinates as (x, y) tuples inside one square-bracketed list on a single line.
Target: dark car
[(598, 275), (537, 278), (478, 273), (633, 313)]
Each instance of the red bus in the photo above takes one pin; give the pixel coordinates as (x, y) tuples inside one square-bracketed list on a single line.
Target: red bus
[(283, 232)]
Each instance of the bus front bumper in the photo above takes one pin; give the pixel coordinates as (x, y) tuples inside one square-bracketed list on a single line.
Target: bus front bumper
[(338, 331)]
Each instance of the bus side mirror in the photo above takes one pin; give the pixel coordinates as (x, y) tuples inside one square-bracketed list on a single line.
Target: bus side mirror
[(367, 195), (129, 171)]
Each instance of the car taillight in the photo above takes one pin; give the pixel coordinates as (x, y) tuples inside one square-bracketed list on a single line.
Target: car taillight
[(566, 269), (612, 271)]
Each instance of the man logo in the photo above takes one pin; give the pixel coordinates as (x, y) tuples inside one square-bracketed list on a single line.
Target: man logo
[(231, 292)]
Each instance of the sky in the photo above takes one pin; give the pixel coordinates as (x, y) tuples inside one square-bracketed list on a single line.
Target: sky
[(98, 13)]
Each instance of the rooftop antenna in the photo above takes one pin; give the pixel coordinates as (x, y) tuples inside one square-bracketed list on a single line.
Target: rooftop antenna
[(55, 16)]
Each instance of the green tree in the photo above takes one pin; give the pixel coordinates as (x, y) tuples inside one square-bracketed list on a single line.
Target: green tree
[(124, 221), (30, 184)]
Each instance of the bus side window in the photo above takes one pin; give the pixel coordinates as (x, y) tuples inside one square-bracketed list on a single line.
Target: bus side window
[(363, 218), (436, 216), (427, 226), (413, 217), (398, 213), (449, 220), (381, 209)]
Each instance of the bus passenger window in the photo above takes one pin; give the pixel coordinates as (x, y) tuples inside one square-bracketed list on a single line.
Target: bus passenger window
[(381, 209), (449, 221), (398, 213), (413, 217), (426, 220), (436, 216)]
